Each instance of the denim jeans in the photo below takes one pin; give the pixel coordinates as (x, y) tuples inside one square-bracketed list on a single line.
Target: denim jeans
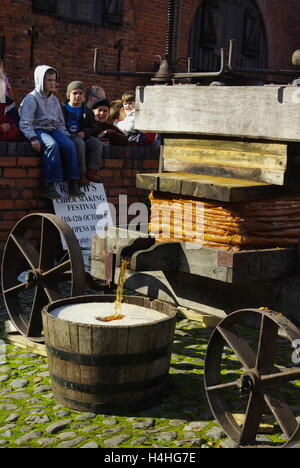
[(59, 156)]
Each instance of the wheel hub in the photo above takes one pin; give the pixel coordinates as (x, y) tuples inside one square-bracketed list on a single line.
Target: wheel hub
[(249, 382), (33, 278)]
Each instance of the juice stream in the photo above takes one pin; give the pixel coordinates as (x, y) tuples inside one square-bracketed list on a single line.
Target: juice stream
[(119, 294)]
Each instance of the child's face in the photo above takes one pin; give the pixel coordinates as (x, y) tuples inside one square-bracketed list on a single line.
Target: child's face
[(101, 113), (76, 97), (50, 83), (129, 106)]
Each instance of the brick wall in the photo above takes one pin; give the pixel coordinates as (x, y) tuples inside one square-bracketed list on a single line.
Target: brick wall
[(69, 46), (21, 179)]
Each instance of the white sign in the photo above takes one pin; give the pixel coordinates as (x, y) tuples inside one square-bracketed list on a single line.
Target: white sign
[(85, 215)]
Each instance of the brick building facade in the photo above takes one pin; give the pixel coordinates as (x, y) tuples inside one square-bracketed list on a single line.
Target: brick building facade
[(140, 25), (68, 44)]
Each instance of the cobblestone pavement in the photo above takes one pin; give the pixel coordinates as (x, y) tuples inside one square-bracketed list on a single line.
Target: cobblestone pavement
[(30, 417)]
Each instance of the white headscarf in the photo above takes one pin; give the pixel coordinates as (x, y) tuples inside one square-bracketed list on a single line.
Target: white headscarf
[(2, 89)]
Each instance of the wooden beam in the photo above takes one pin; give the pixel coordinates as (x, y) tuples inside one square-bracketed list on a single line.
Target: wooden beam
[(259, 112), (261, 162), (210, 187), (24, 343), (231, 153), (217, 264)]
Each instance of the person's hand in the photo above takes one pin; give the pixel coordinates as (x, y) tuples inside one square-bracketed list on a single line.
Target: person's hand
[(36, 146), (5, 127), (81, 135), (102, 134)]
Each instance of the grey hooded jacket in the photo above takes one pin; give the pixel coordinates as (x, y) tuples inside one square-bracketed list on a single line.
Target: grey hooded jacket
[(38, 111)]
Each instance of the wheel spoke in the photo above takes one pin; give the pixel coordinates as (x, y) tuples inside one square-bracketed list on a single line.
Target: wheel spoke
[(279, 378), (224, 386), (48, 234), (239, 346), (281, 411), (52, 292), (27, 250), (267, 344), (15, 290), (58, 271), (255, 409), (35, 325)]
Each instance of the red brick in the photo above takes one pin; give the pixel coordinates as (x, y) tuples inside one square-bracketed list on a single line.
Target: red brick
[(4, 235), (114, 162), (15, 215), (7, 162), (7, 205), (106, 173), (7, 225), (14, 173), (35, 173), (29, 162), (28, 193), (7, 183), (150, 164), (32, 183), (25, 204)]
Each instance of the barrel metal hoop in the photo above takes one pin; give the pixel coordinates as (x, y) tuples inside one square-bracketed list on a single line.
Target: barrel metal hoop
[(95, 360), (96, 389)]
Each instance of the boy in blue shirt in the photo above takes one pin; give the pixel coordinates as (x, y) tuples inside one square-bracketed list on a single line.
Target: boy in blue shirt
[(81, 125)]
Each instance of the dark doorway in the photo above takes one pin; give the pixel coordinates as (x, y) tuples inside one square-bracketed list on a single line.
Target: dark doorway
[(218, 21)]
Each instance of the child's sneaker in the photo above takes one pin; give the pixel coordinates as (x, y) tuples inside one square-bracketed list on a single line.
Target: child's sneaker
[(51, 192), (74, 189)]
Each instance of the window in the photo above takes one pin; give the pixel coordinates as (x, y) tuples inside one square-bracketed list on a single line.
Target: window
[(101, 12), (218, 21)]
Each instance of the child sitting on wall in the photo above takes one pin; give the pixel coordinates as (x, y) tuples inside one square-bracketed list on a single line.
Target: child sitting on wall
[(81, 125), (127, 125), (9, 117), (42, 123), (116, 112), (107, 131)]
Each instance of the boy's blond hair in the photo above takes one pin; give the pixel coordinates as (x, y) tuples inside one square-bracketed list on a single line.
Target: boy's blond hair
[(129, 96)]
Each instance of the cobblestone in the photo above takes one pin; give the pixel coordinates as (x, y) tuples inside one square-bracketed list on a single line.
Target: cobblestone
[(30, 416)]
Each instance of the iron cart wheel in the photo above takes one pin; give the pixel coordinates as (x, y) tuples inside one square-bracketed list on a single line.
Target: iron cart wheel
[(252, 376), (37, 270)]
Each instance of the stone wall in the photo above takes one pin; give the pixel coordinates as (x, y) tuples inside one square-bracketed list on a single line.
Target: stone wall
[(21, 179)]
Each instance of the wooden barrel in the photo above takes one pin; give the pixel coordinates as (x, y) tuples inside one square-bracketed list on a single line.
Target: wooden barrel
[(109, 369)]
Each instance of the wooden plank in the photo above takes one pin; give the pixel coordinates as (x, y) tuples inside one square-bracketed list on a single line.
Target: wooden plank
[(148, 180), (9, 327), (240, 154), (162, 256), (206, 320), (98, 257), (258, 175), (249, 265), (24, 343), (260, 112), (211, 187), (254, 265), (217, 264)]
